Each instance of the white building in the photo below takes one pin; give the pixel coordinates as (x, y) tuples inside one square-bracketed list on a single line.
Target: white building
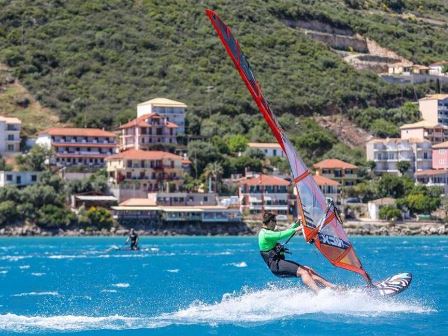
[(173, 110), (19, 179), (388, 152), (433, 178), (375, 206), (86, 147), (263, 193), (269, 149), (9, 135), (437, 69), (434, 108)]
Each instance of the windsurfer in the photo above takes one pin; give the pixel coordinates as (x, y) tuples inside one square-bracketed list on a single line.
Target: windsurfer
[(273, 254), (133, 239)]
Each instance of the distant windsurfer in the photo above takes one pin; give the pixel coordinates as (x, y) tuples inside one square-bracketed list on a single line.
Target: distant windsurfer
[(273, 254), (133, 239)]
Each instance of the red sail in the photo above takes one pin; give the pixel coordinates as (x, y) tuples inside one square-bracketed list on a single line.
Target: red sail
[(321, 223)]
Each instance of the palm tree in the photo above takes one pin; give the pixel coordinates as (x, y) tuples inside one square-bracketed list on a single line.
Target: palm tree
[(214, 171)]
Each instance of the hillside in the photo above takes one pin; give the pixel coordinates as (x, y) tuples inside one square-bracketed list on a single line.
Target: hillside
[(16, 101), (92, 62)]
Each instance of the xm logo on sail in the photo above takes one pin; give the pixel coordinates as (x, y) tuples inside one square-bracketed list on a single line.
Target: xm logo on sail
[(333, 241)]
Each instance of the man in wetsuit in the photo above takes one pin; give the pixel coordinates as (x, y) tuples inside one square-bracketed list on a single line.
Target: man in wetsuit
[(133, 238), (273, 254)]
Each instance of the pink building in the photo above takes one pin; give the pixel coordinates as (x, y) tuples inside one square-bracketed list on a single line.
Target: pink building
[(440, 156), (147, 130)]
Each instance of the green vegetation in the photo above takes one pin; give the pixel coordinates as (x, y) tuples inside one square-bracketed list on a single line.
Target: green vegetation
[(417, 199), (44, 204), (389, 212), (92, 62)]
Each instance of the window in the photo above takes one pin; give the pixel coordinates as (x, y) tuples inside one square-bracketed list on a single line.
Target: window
[(33, 178), (10, 148), (8, 177), (11, 137)]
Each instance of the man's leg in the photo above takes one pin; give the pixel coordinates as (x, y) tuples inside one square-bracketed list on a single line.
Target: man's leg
[(316, 277), (307, 279)]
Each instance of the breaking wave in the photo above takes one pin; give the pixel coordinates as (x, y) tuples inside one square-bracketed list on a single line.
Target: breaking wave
[(247, 307)]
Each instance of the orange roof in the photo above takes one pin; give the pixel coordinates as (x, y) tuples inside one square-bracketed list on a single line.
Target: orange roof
[(92, 132), (334, 163), (441, 145), (322, 181), (431, 172), (134, 154), (142, 121), (264, 180)]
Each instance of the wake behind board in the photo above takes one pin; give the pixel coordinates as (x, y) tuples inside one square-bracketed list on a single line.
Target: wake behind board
[(393, 285)]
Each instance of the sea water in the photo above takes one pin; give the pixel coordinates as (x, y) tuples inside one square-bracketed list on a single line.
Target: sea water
[(212, 286)]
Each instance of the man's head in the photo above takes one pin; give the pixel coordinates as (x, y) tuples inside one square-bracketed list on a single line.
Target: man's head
[(269, 221), (132, 230)]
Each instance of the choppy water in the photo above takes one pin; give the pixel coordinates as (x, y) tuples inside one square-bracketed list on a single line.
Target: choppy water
[(218, 286)]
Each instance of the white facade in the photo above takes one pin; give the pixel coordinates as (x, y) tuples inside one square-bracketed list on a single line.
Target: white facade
[(173, 110), (19, 179), (269, 149), (388, 152), (9, 135)]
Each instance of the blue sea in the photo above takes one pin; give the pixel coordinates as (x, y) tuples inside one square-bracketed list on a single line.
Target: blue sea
[(212, 286)]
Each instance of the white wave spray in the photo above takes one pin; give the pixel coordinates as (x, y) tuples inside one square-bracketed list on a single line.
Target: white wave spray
[(248, 307)]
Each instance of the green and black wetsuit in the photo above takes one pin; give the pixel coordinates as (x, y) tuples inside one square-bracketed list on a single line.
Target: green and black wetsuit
[(273, 252)]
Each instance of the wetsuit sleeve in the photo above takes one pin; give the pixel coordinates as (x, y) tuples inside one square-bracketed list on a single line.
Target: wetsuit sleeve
[(279, 235)]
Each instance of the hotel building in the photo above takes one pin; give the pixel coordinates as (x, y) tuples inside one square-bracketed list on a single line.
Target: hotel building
[(173, 110), (9, 135)]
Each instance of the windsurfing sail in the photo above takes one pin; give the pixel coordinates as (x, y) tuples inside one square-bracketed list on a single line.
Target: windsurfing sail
[(321, 222)]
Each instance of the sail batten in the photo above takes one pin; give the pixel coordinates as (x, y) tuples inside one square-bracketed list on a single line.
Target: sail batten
[(321, 224)]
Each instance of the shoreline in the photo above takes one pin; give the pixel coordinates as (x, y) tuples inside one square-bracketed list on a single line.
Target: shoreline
[(352, 228)]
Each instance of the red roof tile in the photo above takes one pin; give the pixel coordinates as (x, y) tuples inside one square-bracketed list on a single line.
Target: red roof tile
[(92, 132), (322, 180), (264, 180), (134, 154), (141, 121), (431, 172), (333, 163)]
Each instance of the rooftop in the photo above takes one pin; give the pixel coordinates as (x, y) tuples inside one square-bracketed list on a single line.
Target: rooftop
[(134, 154), (142, 121), (384, 201), (65, 131), (9, 120), (324, 181), (431, 172), (265, 180), (423, 124), (333, 163), (264, 145), (163, 102), (435, 96)]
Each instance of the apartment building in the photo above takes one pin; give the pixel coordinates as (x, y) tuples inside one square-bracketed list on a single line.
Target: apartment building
[(344, 173), (330, 188), (260, 193), (173, 110), (434, 108), (86, 147), (386, 153), (146, 131), (135, 173), (425, 130), (10, 135), (433, 178)]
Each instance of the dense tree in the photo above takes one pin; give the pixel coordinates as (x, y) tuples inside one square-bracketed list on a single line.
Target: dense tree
[(403, 167)]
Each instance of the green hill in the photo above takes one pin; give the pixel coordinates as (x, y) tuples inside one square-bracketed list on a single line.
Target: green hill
[(93, 61)]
